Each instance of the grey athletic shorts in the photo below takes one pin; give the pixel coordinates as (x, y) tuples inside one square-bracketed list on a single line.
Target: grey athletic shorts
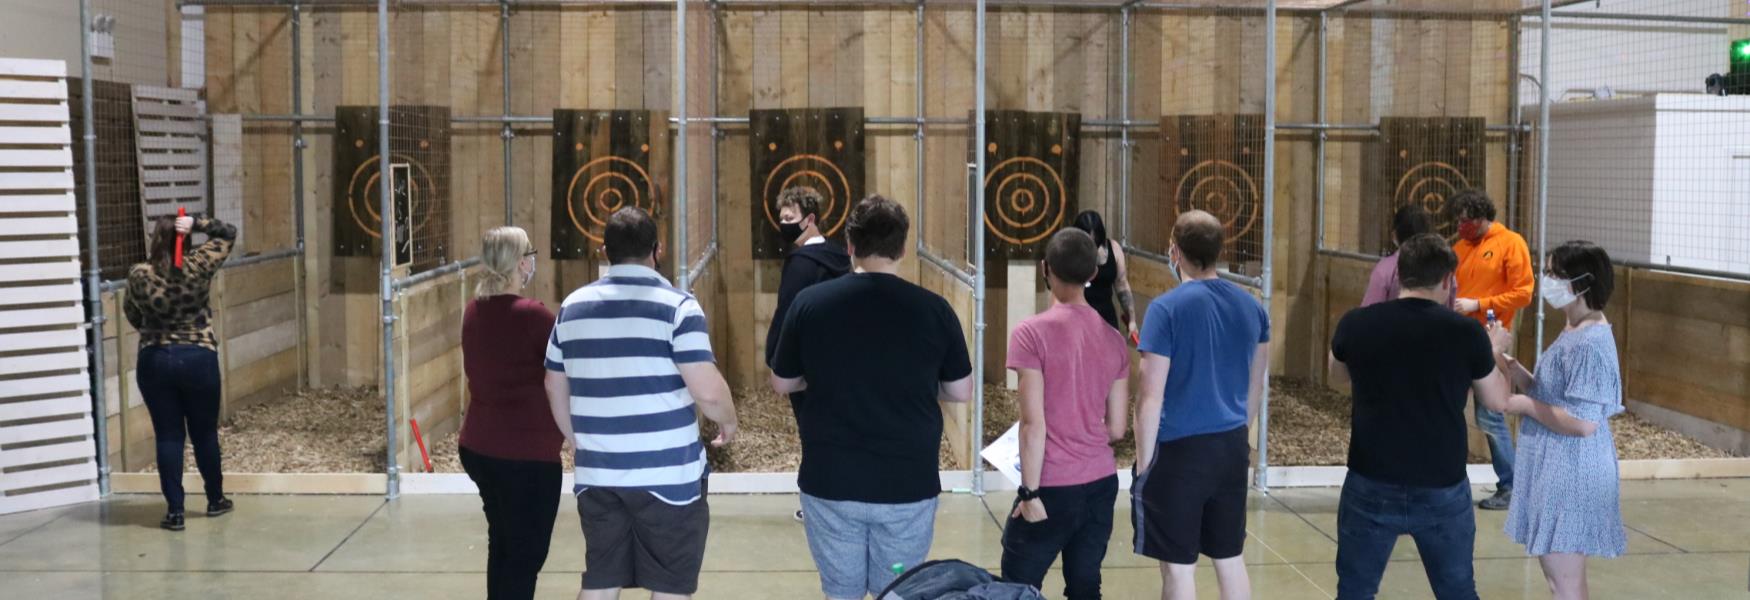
[(856, 544)]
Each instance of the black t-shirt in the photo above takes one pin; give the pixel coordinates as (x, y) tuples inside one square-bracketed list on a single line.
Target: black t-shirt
[(1412, 363), (874, 350)]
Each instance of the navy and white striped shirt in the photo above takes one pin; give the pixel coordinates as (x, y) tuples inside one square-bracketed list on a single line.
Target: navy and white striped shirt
[(620, 341)]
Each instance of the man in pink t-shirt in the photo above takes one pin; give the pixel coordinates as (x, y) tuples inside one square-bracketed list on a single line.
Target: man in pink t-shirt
[(1074, 371)]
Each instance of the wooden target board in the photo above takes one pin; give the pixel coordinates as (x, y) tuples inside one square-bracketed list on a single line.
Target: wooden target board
[(1425, 161), (604, 160), (419, 148), (1030, 180), (821, 148), (1215, 163)]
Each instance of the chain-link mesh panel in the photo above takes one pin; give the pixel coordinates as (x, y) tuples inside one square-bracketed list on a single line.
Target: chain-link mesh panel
[(1418, 107), (1649, 134)]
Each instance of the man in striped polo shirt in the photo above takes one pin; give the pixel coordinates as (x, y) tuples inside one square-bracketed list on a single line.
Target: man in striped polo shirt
[(627, 362)]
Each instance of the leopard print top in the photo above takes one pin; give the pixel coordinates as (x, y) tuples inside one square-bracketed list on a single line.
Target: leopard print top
[(171, 308)]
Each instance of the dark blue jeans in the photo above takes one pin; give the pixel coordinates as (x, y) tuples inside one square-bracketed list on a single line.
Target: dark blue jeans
[(1371, 516), (1078, 523), (180, 385), (1494, 426)]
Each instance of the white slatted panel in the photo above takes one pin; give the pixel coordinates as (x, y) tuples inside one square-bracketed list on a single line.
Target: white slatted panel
[(170, 132), (46, 442), (228, 174)]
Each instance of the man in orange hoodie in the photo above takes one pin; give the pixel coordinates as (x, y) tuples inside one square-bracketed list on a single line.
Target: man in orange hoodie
[(1494, 274)]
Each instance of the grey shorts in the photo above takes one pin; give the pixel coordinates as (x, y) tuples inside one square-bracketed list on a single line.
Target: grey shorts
[(856, 544)]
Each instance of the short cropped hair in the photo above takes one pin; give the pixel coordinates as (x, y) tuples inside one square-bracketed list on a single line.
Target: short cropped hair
[(1200, 237), (1071, 255), (877, 227), (806, 200), (630, 236), (1589, 264), (1424, 261), (1471, 204), (1410, 221)]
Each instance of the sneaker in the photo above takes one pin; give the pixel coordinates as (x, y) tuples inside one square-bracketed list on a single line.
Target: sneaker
[(1500, 501), (172, 521), (221, 507), (798, 516)]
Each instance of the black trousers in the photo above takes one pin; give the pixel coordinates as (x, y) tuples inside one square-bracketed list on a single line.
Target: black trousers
[(180, 385), (521, 499), (1078, 523)]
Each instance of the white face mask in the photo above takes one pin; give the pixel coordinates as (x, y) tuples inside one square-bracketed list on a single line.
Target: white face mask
[(1558, 292), (530, 276)]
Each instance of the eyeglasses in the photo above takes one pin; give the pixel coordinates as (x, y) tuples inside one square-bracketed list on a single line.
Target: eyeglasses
[(531, 253)]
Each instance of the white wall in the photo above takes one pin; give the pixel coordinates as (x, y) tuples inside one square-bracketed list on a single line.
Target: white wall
[(49, 29), (1631, 55)]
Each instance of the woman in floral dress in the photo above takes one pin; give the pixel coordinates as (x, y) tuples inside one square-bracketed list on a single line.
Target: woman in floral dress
[(1566, 505)]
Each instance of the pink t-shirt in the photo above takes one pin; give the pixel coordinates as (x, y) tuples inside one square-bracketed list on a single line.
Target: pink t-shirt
[(1080, 356)]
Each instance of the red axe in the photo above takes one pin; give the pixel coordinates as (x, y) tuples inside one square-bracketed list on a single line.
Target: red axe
[(181, 212)]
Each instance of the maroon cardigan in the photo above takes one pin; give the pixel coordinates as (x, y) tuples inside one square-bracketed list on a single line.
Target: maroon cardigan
[(504, 346)]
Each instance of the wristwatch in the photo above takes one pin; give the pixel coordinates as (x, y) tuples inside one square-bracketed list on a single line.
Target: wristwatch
[(1025, 493)]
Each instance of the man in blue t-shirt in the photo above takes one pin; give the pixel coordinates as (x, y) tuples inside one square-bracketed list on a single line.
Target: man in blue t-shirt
[(1205, 353)]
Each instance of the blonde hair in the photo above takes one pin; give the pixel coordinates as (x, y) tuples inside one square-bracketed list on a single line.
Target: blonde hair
[(501, 250)]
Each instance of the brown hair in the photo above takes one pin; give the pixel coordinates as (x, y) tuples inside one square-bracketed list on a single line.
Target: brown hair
[(1424, 261), (161, 252), (1199, 236), (1071, 255), (877, 227), (804, 198)]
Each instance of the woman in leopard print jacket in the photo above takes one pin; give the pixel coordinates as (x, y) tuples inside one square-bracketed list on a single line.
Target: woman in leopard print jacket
[(178, 368)]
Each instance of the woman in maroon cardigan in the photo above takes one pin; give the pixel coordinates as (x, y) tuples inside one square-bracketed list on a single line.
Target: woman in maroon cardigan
[(509, 444)]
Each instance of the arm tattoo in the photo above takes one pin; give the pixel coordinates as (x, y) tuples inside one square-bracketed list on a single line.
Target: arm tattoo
[(1126, 301)]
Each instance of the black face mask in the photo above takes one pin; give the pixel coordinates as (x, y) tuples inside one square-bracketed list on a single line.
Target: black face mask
[(790, 231)]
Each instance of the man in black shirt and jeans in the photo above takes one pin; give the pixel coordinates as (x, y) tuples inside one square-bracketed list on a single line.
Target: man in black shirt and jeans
[(1411, 362), (876, 354)]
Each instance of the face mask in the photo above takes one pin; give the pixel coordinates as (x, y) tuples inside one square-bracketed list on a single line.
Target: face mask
[(1470, 229), (530, 276), (791, 231), (1558, 292)]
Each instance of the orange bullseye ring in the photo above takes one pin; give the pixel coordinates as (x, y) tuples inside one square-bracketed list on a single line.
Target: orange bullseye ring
[(353, 192), (1053, 191), (593, 200), (818, 168), (1212, 186)]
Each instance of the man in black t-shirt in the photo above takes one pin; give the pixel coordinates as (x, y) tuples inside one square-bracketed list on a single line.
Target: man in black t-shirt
[(1411, 363), (876, 354)]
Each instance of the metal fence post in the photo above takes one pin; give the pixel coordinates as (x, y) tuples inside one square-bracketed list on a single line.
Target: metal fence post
[(975, 200), (680, 160), (93, 262), (507, 134), (386, 210), (1542, 160), (1268, 253)]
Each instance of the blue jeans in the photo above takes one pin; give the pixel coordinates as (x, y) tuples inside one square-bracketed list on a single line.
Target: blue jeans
[(180, 385), (1494, 426), (1371, 516)]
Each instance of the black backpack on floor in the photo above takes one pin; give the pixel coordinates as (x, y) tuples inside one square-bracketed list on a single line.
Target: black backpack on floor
[(954, 580)]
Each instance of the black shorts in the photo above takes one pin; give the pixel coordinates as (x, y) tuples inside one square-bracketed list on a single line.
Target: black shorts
[(633, 539), (1192, 500)]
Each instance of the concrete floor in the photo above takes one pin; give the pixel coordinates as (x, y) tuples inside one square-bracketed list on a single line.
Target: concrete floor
[(1689, 539)]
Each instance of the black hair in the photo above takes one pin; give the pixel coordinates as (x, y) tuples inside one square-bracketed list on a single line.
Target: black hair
[(1411, 220), (1090, 221), (1588, 266)]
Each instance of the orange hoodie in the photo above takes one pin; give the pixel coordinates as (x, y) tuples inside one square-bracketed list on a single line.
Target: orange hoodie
[(1496, 271)]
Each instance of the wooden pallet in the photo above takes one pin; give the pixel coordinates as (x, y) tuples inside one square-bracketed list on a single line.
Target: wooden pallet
[(171, 130), (46, 444)]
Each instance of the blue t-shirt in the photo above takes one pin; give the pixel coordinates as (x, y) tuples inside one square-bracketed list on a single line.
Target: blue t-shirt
[(1210, 330)]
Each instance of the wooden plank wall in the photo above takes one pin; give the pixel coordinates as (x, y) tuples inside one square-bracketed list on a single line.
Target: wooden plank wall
[(46, 446)]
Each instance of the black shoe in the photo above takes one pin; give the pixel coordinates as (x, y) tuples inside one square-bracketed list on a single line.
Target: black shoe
[(221, 507), (798, 516), (1500, 501), (172, 521)]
